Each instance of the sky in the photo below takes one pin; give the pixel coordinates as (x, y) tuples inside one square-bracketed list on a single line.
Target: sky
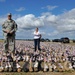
[(54, 18)]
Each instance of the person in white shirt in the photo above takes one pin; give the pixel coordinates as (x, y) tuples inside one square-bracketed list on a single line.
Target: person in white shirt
[(37, 37)]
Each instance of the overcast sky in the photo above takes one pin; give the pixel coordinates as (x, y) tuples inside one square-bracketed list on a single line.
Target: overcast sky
[(55, 18)]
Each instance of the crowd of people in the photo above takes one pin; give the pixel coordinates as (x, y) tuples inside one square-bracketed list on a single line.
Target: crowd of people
[(56, 57)]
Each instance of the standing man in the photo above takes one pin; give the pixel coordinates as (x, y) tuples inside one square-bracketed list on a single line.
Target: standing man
[(9, 28), (37, 37)]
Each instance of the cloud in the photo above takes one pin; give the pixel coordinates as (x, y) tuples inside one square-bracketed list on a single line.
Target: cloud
[(2, 19), (66, 21), (49, 7), (2, 0), (29, 22), (50, 24), (53, 33), (20, 9)]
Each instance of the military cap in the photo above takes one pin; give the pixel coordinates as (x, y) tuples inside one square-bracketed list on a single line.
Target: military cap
[(9, 14)]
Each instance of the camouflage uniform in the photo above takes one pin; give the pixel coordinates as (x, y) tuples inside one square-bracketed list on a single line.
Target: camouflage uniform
[(9, 39)]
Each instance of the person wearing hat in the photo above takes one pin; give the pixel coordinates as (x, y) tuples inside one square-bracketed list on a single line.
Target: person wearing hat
[(9, 28)]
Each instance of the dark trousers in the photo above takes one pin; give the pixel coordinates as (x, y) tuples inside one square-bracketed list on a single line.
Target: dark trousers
[(37, 44)]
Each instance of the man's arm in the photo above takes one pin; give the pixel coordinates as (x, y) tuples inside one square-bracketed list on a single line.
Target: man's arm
[(3, 28)]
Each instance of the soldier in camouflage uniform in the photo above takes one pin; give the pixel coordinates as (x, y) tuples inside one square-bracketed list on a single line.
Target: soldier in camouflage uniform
[(9, 28)]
